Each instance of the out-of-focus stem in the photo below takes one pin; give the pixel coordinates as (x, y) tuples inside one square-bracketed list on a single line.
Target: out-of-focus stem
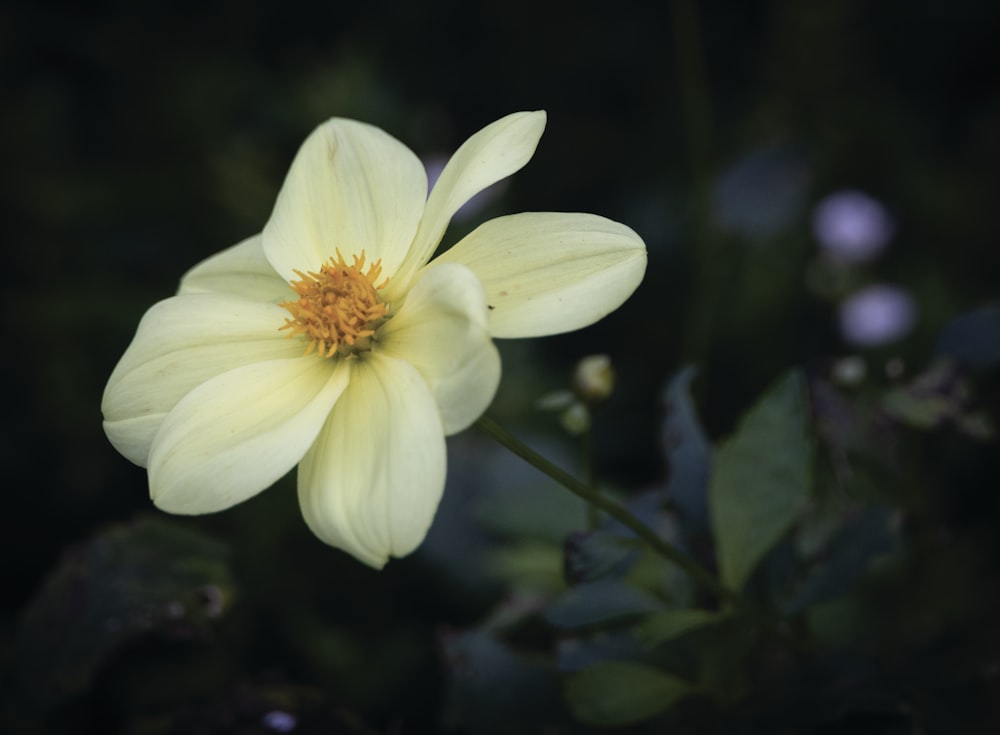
[(710, 289), (590, 477)]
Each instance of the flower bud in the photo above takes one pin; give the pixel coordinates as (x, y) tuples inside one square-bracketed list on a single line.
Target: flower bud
[(594, 378)]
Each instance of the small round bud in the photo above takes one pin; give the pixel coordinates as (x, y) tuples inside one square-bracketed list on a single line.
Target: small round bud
[(575, 419), (594, 378)]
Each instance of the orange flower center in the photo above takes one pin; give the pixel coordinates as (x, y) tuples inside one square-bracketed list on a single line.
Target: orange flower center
[(338, 308)]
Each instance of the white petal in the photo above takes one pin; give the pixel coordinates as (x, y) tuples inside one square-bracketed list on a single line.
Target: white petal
[(238, 433), (241, 270), (351, 187), (547, 273), (442, 330), (133, 437), (372, 482), (180, 343), (492, 154)]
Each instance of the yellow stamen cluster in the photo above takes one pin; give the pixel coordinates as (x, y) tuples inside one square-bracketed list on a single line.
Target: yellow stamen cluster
[(339, 307)]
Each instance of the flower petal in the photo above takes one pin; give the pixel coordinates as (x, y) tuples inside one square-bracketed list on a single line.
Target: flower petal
[(181, 342), (236, 434), (372, 482), (241, 270), (547, 273), (442, 330), (492, 154), (351, 187)]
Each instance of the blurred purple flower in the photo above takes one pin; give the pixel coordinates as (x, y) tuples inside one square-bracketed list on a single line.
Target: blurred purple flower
[(877, 315), (279, 721), (852, 226)]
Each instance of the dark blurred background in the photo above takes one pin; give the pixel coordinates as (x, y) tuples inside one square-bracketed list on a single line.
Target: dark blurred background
[(138, 138)]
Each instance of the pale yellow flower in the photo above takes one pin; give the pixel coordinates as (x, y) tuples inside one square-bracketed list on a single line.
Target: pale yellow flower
[(330, 342)]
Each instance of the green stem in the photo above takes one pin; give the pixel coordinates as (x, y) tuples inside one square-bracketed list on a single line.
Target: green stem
[(613, 509), (590, 475)]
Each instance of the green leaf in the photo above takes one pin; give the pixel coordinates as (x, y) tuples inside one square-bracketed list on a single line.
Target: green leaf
[(623, 693), (592, 555), (848, 557), (599, 602), (760, 480), (688, 453), (496, 689), (669, 624), (530, 564)]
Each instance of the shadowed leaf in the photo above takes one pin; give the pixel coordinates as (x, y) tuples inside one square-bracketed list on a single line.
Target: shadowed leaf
[(669, 624), (591, 555), (851, 551), (761, 479), (494, 689), (598, 602), (688, 453), (150, 576), (622, 693)]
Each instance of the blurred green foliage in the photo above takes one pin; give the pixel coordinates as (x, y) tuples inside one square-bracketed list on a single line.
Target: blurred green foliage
[(138, 138)]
